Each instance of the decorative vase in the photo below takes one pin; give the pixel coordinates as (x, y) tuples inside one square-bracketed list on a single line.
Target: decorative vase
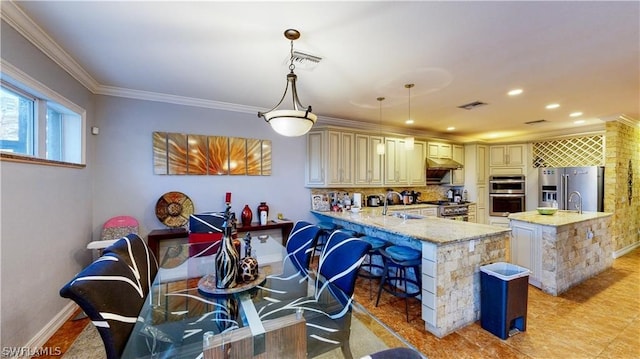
[(246, 216), (226, 261), (263, 213)]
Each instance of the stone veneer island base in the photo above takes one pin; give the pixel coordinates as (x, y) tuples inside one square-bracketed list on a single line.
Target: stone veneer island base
[(452, 253), (563, 249)]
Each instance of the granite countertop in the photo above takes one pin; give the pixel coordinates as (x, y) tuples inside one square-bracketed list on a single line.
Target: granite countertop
[(430, 229), (560, 218)]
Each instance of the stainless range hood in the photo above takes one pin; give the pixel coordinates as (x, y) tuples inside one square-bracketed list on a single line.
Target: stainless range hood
[(442, 164), (437, 168)]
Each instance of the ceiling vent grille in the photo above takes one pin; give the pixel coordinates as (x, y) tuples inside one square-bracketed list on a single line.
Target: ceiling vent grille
[(535, 122), (472, 105), (304, 61)]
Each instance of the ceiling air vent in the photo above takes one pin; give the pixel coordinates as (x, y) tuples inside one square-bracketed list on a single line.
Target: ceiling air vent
[(472, 105), (304, 61), (535, 122)]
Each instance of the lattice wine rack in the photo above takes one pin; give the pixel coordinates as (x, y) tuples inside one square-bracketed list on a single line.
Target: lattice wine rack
[(570, 152)]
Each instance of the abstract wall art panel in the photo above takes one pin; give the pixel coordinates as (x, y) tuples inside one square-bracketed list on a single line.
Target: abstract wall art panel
[(218, 155), (189, 154)]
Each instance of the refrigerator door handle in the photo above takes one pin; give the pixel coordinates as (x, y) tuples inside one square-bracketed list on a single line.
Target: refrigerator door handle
[(565, 188)]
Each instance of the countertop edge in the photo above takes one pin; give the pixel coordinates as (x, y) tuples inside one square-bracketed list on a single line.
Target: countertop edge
[(545, 220), (494, 229)]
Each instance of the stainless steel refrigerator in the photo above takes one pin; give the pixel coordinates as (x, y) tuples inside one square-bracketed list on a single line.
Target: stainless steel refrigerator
[(556, 184)]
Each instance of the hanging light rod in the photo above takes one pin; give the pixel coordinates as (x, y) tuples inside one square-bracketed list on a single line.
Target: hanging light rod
[(295, 122)]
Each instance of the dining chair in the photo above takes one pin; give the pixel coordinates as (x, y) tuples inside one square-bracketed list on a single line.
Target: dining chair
[(338, 268), (300, 244), (137, 254), (112, 230), (111, 293)]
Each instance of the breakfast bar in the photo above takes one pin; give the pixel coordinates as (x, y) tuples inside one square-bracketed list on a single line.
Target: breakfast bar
[(452, 253)]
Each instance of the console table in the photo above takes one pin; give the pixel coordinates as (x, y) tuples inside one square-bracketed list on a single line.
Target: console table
[(284, 226), (157, 235)]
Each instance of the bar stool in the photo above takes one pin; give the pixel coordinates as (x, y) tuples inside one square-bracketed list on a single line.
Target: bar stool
[(400, 258), (367, 268), (326, 228)]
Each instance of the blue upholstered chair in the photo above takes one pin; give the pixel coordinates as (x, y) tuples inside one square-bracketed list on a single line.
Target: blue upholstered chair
[(338, 269), (300, 244), (369, 269), (400, 258)]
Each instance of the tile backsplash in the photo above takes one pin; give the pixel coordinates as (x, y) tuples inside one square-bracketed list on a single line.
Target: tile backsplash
[(427, 193)]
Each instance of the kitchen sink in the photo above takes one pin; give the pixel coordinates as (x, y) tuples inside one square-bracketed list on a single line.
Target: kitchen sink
[(406, 215)]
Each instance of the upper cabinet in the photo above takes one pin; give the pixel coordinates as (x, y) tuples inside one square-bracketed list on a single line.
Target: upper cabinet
[(507, 155), (315, 164), (457, 176), (395, 172), (369, 164), (416, 164), (340, 157), (439, 150), (330, 158)]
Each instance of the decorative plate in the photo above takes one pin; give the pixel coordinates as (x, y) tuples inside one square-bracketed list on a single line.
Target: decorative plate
[(207, 285), (174, 208)]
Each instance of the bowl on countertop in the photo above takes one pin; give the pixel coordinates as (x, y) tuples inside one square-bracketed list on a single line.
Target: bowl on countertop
[(547, 210), (355, 209)]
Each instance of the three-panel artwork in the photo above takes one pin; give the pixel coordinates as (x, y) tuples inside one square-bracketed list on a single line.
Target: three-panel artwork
[(185, 154)]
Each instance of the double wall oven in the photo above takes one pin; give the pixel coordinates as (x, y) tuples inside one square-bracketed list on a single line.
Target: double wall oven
[(506, 194)]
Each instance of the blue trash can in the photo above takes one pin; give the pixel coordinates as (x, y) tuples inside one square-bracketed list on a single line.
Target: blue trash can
[(504, 289)]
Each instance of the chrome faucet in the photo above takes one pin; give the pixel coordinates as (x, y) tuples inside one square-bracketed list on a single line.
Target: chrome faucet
[(389, 193), (579, 205)]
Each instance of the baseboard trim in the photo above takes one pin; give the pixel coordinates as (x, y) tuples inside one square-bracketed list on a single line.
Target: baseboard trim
[(625, 250), (39, 340)]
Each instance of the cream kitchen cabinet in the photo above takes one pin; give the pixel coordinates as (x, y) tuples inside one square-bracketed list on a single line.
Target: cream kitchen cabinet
[(316, 158), (526, 249), (429, 212), (369, 164), (507, 155), (340, 158), (476, 178), (473, 210), (439, 150), (416, 164), (330, 158), (395, 171), (457, 176)]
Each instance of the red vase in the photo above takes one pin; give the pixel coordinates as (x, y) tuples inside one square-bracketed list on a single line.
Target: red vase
[(263, 213), (246, 216)]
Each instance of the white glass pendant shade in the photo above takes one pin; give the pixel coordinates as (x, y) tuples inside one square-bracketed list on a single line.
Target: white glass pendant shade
[(380, 148), (294, 122), (290, 123), (408, 143)]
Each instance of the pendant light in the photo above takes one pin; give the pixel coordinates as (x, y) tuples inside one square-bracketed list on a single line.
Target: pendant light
[(408, 141), (380, 146), (295, 122)]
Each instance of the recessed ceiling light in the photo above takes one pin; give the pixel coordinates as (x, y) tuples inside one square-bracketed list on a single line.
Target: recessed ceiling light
[(551, 106), (575, 114), (514, 92), (578, 122), (409, 122), (451, 128)]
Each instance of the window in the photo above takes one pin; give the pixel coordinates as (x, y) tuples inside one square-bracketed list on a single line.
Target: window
[(35, 126)]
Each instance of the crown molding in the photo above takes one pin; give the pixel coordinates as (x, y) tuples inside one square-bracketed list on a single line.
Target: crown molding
[(17, 19)]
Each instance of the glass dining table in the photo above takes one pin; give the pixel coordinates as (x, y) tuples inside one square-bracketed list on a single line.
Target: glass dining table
[(281, 314)]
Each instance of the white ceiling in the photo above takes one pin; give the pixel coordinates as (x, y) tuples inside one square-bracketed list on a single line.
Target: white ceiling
[(583, 55)]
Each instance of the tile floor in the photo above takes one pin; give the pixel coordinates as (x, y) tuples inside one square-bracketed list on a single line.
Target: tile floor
[(599, 318)]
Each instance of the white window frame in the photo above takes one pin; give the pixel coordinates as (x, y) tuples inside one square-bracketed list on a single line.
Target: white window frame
[(20, 80)]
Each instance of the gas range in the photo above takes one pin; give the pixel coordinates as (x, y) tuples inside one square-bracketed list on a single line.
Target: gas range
[(448, 209)]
